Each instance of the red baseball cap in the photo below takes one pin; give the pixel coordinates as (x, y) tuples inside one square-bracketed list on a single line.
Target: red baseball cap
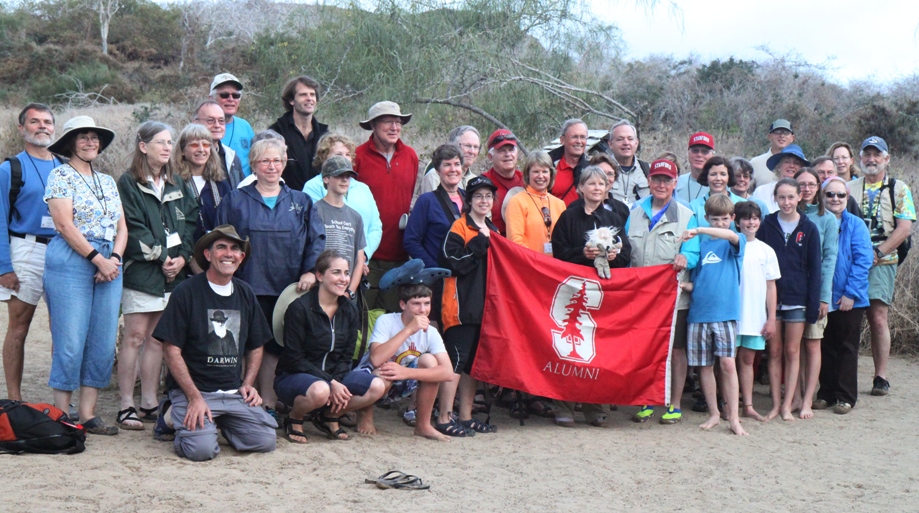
[(663, 167), (501, 137), (702, 139)]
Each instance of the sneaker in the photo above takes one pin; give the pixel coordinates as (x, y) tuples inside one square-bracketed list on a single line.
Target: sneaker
[(881, 386), (409, 417), (842, 408), (821, 404), (672, 416), (700, 405), (644, 414), (162, 432)]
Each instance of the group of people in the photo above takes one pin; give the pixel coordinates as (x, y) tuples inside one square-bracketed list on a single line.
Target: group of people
[(256, 265)]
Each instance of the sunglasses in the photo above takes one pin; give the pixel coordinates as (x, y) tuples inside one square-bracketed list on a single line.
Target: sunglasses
[(501, 138), (199, 145), (226, 95), (546, 216), (840, 195)]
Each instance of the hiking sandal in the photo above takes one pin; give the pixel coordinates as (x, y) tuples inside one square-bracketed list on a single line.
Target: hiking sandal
[(290, 431), (478, 426), (539, 408), (320, 421), (129, 415), (451, 428), (148, 414)]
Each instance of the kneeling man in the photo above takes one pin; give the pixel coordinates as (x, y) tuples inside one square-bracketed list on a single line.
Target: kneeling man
[(212, 324)]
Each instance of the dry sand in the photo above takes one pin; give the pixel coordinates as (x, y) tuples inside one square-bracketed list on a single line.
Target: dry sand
[(864, 461)]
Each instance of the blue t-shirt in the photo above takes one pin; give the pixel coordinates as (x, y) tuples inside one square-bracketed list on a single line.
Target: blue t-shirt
[(271, 201), (716, 282), (30, 208), (239, 137)]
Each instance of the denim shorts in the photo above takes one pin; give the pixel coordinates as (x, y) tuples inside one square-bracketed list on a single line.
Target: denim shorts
[(289, 386), (793, 315), (84, 317)]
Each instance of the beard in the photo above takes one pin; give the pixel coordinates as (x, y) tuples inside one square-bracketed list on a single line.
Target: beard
[(873, 169), (40, 139)]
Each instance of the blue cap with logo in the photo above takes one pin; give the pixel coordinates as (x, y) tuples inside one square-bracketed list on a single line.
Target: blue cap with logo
[(875, 142)]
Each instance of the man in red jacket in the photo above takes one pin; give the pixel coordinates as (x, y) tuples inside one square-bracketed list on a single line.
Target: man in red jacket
[(502, 149), (390, 168)]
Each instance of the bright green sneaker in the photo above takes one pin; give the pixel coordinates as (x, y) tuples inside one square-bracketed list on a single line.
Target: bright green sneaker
[(645, 413), (673, 416)]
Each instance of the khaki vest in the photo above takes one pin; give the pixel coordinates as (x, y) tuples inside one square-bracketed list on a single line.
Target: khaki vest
[(857, 188), (662, 244)]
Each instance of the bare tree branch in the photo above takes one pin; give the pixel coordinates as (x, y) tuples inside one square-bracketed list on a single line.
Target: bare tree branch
[(471, 108)]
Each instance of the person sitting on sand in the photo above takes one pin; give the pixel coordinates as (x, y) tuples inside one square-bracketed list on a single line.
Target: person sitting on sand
[(715, 308), (405, 350), (314, 370)]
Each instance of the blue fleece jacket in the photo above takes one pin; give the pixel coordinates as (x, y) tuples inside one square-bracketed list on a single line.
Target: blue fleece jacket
[(799, 261), (829, 230), (427, 228), (286, 240), (853, 261)]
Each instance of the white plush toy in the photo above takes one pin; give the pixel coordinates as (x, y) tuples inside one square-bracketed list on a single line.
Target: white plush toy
[(605, 240)]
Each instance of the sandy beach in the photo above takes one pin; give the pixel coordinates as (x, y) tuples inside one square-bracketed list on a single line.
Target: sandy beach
[(863, 461)]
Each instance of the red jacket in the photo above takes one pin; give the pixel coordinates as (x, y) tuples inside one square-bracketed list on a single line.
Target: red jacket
[(392, 184), (503, 185)]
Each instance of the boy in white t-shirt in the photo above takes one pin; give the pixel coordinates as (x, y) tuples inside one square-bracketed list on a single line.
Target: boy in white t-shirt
[(406, 351), (757, 300)]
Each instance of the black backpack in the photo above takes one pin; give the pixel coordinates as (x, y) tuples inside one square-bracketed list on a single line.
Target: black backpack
[(38, 428), (16, 184), (906, 245)]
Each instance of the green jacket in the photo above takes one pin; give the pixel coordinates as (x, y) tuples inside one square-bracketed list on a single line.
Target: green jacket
[(148, 219)]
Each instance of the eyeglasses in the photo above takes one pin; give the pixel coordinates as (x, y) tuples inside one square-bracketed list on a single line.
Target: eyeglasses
[(268, 162), (391, 122), (471, 147), (841, 158), (479, 197), (661, 179), (162, 142), (212, 121), (226, 95), (501, 138), (700, 151), (781, 132), (807, 185), (200, 145), (840, 195)]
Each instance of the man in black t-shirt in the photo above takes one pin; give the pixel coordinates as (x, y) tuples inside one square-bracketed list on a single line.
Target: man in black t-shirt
[(211, 322)]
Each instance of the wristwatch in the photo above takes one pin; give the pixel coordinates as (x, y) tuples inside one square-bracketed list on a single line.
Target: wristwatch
[(877, 252), (350, 294)]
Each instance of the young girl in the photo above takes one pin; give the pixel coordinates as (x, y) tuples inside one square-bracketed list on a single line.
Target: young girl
[(796, 243), (812, 206)]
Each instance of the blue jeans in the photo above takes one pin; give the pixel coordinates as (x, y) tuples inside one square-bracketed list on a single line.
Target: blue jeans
[(84, 317)]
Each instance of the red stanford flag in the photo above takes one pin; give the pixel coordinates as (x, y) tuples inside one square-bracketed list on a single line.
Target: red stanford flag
[(555, 329)]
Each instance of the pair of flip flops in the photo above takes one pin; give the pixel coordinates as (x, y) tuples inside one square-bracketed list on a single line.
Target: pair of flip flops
[(399, 481)]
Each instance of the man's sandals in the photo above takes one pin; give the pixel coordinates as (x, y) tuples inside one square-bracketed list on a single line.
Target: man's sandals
[(291, 431), (321, 422), (399, 481)]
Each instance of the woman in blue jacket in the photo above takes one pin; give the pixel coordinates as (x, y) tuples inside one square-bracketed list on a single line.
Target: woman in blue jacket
[(839, 374), (286, 235), (812, 206), (435, 212), (796, 243)]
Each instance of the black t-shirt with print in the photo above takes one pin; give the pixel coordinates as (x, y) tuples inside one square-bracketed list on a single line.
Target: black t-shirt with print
[(214, 332)]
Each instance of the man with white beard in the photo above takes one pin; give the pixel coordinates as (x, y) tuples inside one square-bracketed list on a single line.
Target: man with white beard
[(888, 209), (25, 230)]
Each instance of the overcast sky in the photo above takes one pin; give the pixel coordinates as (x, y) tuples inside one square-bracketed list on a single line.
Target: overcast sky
[(837, 32)]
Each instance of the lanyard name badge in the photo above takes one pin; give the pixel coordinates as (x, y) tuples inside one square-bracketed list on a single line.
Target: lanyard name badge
[(106, 222)]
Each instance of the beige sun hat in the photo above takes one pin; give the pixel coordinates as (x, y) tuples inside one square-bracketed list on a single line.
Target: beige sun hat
[(224, 231), (384, 109), (75, 126), (288, 296)]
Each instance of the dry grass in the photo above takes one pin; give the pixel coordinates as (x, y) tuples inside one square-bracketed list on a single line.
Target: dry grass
[(904, 323)]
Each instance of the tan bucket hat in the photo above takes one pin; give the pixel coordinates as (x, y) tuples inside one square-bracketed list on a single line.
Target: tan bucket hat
[(288, 296), (224, 231), (384, 109), (77, 125)]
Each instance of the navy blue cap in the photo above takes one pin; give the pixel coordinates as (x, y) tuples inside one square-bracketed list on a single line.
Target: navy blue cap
[(792, 150), (477, 183), (412, 273), (875, 142)]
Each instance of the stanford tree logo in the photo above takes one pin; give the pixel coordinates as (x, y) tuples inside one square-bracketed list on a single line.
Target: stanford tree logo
[(574, 298)]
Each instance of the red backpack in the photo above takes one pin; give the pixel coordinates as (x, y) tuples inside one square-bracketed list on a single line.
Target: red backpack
[(27, 427)]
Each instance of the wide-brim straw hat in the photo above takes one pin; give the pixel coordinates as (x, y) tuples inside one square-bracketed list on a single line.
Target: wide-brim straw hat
[(288, 296), (77, 125), (224, 231), (384, 109)]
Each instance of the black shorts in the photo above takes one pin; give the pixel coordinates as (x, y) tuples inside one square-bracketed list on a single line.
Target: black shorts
[(461, 343)]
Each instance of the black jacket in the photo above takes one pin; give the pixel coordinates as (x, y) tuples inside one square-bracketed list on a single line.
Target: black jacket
[(570, 234), (465, 253), (311, 345), (799, 260), (300, 150)]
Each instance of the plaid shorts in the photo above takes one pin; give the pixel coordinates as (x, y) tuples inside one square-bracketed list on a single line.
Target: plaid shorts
[(707, 340)]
